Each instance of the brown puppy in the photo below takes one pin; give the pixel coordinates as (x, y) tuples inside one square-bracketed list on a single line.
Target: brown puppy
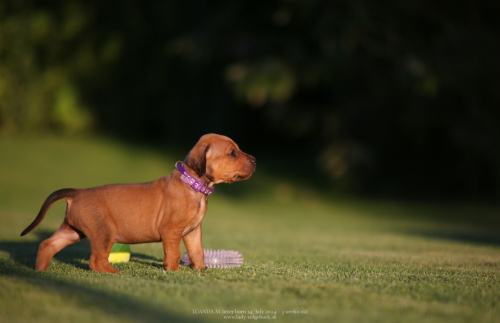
[(167, 209)]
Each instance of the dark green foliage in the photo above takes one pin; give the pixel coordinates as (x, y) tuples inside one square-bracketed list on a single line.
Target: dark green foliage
[(385, 97)]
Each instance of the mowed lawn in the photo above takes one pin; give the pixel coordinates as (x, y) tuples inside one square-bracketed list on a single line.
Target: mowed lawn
[(309, 257)]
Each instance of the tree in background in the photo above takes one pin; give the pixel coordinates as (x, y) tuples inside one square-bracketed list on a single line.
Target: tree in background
[(46, 50), (385, 97)]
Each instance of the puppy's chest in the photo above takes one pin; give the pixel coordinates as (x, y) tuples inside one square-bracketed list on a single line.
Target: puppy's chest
[(197, 218)]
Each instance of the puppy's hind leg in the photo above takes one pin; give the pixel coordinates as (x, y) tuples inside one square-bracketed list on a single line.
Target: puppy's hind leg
[(63, 237), (101, 244)]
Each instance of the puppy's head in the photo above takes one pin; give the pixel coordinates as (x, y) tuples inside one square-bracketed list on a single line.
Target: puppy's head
[(220, 160)]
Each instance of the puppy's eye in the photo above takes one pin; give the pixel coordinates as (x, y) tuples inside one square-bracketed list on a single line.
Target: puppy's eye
[(233, 153)]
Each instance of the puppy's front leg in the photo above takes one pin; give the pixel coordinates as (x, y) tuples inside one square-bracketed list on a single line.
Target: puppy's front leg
[(192, 241), (171, 249)]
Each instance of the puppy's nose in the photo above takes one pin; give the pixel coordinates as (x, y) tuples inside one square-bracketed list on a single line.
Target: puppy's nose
[(254, 161)]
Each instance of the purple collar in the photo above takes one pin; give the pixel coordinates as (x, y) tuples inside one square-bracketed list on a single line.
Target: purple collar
[(194, 183)]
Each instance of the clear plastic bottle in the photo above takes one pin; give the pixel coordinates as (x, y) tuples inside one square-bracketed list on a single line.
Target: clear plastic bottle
[(216, 258)]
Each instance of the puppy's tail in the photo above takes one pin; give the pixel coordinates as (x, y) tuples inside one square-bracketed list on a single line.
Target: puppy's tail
[(54, 197)]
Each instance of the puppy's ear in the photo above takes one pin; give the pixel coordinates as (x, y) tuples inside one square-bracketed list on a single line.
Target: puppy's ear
[(197, 159)]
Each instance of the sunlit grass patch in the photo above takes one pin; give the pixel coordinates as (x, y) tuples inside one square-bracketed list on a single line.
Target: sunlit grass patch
[(336, 260)]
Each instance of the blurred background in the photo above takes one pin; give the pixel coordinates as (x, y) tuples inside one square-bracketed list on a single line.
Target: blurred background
[(394, 99)]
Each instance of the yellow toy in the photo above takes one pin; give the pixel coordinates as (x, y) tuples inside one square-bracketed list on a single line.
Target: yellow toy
[(119, 253)]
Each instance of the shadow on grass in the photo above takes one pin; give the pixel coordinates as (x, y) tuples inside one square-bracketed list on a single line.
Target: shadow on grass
[(22, 261), (143, 259), (478, 238), (485, 237), (24, 253)]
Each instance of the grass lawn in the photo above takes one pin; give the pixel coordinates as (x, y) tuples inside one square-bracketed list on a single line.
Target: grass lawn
[(309, 257)]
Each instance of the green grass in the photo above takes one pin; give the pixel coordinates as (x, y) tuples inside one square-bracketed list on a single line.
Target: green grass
[(338, 261)]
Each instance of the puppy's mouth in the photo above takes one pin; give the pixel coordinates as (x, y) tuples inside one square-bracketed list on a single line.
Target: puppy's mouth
[(236, 178), (239, 177)]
